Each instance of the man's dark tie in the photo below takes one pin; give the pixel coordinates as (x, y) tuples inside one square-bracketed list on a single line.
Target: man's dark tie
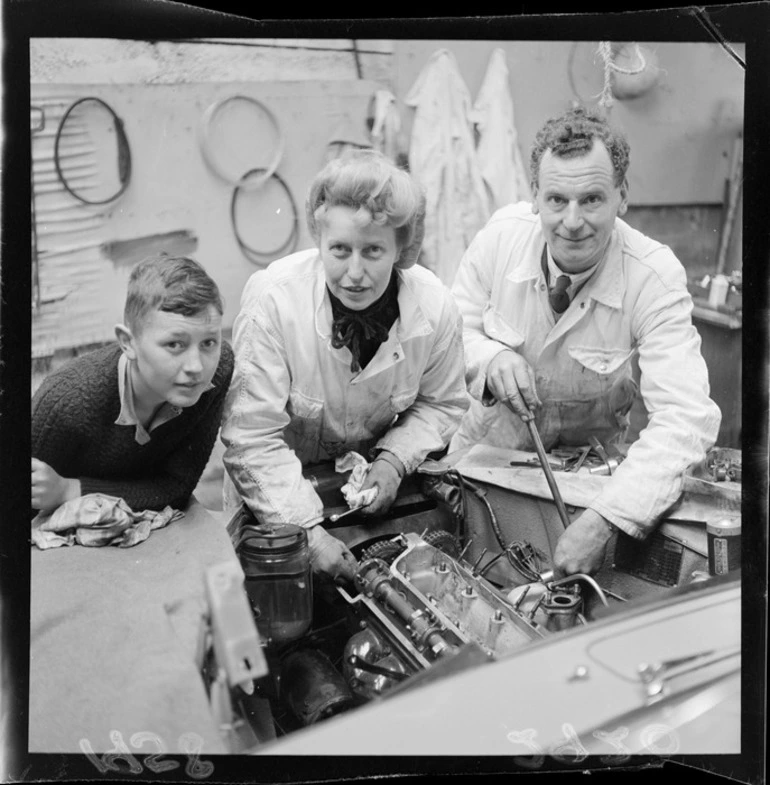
[(558, 297)]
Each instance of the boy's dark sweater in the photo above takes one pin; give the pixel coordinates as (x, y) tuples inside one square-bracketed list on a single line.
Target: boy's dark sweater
[(74, 431)]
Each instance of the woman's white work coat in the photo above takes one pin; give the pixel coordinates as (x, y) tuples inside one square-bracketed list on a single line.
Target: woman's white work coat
[(294, 400), (636, 303)]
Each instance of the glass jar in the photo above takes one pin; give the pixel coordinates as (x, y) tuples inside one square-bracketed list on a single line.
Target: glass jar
[(276, 563)]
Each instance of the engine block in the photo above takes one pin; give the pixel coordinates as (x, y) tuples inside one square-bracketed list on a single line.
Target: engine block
[(426, 605)]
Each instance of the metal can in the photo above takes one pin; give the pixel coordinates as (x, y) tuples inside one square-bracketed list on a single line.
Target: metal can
[(724, 545)]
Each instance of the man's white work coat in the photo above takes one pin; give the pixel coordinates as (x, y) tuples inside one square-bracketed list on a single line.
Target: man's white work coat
[(636, 303), (294, 400)]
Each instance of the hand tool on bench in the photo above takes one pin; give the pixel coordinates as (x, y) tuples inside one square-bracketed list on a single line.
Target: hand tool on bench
[(610, 462)]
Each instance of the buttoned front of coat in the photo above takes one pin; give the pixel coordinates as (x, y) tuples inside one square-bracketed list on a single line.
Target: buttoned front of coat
[(295, 401), (635, 304)]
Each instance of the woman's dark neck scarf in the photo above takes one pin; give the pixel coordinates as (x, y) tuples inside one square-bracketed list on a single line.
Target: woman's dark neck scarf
[(363, 331)]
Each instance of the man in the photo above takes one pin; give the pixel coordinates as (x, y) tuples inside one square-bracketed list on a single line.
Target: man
[(138, 419), (557, 298)]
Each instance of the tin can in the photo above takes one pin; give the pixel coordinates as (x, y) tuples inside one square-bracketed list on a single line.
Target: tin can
[(720, 285), (724, 545)]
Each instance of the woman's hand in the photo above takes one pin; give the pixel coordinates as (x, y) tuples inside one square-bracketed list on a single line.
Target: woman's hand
[(330, 556), (385, 475), (49, 489)]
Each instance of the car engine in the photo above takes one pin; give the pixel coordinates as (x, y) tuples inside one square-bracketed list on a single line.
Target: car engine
[(418, 609), (420, 604), (415, 605)]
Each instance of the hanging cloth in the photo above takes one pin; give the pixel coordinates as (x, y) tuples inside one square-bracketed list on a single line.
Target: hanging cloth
[(442, 158), (386, 126), (498, 151)]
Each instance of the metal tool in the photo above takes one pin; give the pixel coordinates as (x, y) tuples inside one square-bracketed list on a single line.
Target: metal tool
[(536, 462), (610, 463), (579, 460), (334, 518), (562, 510)]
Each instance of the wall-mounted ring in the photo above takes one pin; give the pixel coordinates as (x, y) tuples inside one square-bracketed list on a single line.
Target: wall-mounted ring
[(213, 117), (124, 152), (259, 256)]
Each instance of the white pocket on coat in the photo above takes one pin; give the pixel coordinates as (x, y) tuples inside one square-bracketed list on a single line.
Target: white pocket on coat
[(303, 405), (600, 360), (497, 328)]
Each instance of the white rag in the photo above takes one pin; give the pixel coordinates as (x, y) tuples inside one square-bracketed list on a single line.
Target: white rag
[(97, 519), (358, 467), (386, 129)]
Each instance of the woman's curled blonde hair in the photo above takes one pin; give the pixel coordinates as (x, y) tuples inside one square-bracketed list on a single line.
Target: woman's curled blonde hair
[(369, 182)]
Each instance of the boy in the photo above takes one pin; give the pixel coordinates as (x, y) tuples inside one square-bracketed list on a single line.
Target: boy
[(138, 419)]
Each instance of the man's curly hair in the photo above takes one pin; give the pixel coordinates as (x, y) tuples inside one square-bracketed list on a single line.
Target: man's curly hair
[(573, 134)]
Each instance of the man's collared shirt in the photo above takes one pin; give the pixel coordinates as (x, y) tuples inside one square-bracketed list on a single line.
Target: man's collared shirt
[(576, 279)]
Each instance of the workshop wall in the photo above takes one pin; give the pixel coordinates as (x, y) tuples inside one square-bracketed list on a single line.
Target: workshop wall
[(682, 130), (682, 133), (318, 91)]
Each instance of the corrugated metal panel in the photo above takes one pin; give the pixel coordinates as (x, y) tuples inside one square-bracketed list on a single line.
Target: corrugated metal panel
[(68, 233)]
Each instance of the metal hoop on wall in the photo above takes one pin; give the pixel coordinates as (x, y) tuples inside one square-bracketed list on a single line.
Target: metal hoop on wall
[(124, 152), (254, 255), (207, 148)]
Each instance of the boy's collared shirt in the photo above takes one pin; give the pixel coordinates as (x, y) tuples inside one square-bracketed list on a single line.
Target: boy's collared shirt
[(127, 414)]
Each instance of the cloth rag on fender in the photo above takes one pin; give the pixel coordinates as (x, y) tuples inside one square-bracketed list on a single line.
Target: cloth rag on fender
[(97, 519), (358, 467), (442, 158), (498, 151)]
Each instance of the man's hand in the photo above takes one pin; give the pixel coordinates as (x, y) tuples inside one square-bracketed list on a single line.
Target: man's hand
[(386, 478), (581, 548), (330, 556), (49, 489), (511, 380)]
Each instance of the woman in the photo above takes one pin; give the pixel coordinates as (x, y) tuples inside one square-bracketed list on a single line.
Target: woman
[(345, 347)]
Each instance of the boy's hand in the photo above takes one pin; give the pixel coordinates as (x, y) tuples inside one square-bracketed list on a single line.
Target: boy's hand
[(49, 489)]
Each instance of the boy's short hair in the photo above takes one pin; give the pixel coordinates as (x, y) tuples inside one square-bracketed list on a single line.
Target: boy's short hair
[(369, 182), (174, 284), (573, 134)]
